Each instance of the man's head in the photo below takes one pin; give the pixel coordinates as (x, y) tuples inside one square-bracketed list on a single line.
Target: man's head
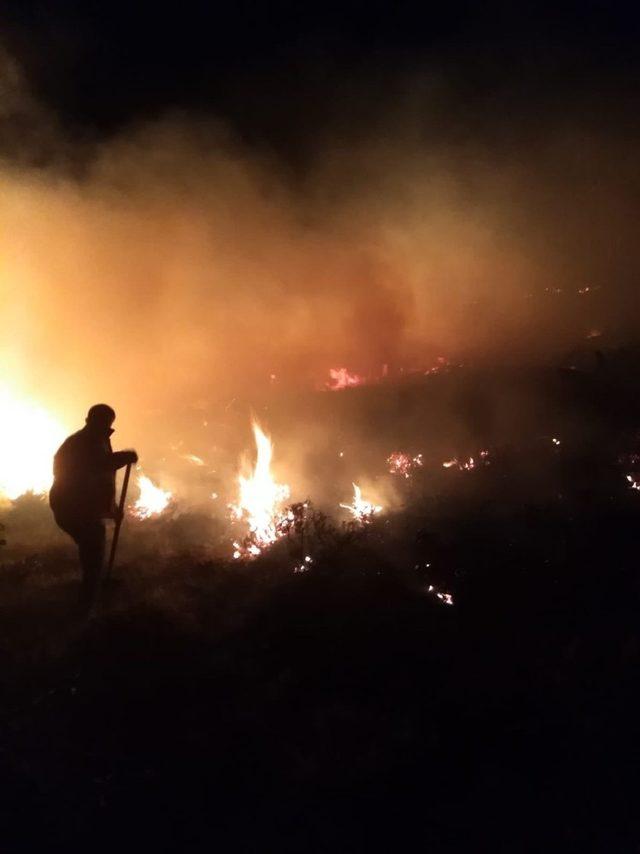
[(100, 418)]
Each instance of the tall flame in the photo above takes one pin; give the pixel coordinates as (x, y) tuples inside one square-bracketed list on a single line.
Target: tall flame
[(261, 499), (29, 437)]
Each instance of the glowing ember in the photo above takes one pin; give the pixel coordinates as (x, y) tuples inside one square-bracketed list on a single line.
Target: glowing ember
[(361, 510), (261, 502), (304, 566), (469, 464), (461, 465), (446, 598), (29, 437), (633, 483), (441, 364), (403, 464), (341, 378), (152, 499)]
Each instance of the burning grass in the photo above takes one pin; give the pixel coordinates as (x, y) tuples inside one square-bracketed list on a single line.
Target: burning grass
[(440, 654), (261, 502), (151, 501)]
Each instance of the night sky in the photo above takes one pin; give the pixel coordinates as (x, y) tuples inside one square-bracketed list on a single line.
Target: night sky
[(280, 72)]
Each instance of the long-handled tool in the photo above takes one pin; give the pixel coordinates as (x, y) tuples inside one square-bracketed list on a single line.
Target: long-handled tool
[(118, 525)]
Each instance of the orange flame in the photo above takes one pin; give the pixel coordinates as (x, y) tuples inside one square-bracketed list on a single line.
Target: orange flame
[(361, 510), (152, 500), (261, 500)]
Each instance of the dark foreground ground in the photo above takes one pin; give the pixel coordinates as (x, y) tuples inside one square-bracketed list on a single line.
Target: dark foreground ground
[(218, 707)]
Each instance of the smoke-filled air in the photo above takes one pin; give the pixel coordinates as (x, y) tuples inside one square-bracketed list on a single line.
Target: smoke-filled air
[(191, 280)]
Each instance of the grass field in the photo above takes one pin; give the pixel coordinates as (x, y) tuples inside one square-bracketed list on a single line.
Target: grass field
[(213, 705)]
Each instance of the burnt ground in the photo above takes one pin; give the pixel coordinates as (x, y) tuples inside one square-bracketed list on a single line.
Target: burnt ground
[(212, 706)]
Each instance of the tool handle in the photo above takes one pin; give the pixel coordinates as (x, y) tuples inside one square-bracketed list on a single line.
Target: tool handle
[(116, 530)]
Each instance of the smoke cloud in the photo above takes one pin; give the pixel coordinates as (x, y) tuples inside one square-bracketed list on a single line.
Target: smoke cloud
[(174, 266)]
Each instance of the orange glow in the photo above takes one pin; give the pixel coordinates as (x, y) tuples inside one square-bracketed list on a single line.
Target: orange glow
[(29, 437)]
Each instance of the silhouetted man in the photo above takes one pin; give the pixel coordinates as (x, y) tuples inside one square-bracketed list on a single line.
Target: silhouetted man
[(83, 491)]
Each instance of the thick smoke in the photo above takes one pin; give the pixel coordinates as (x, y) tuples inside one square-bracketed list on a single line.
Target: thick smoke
[(173, 267)]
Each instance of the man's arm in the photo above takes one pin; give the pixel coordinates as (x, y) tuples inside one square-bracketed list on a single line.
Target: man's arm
[(119, 459), (103, 459)]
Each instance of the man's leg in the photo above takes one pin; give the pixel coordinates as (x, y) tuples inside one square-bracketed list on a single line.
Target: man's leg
[(91, 547)]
